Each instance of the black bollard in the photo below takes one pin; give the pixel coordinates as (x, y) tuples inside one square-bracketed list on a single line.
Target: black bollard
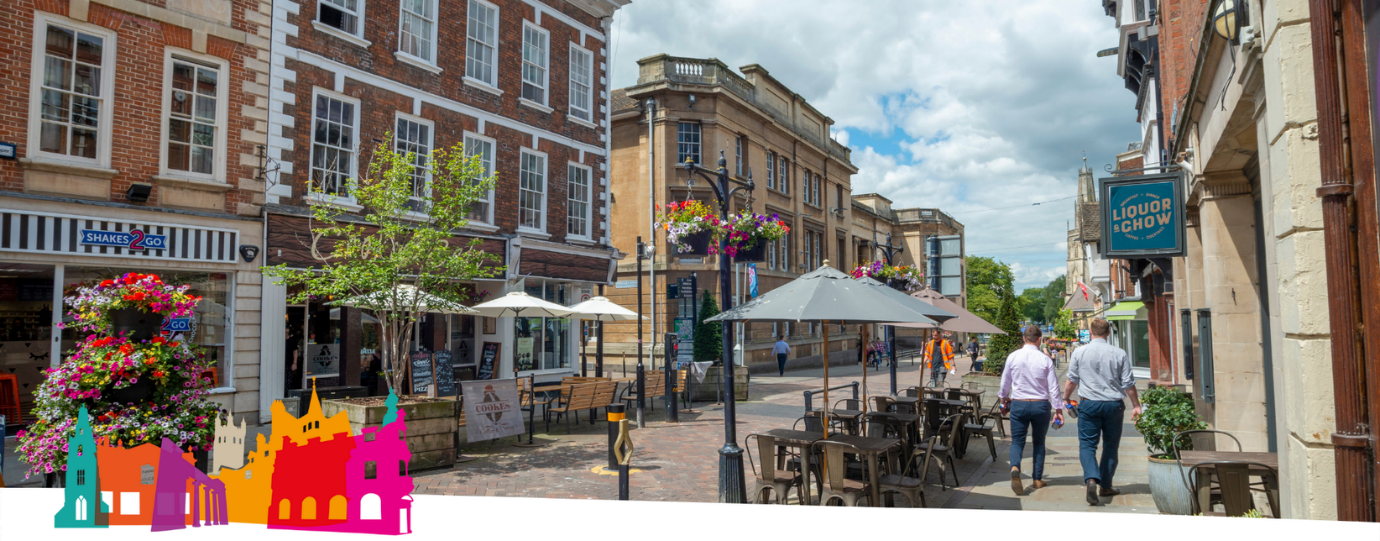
[(614, 413), (624, 446), (641, 393), (672, 411)]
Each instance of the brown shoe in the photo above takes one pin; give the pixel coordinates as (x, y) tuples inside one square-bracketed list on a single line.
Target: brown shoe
[(1108, 492), (1016, 485), (1039, 484)]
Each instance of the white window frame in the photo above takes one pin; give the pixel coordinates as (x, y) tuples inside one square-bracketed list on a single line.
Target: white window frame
[(313, 195), (785, 246), (545, 192), (589, 202), (492, 61), (218, 170), (771, 170), (545, 65), (588, 106), (738, 154), (430, 145), (359, 20), (698, 144), (432, 18), (783, 172), (105, 118), (493, 156), (771, 259), (805, 186)]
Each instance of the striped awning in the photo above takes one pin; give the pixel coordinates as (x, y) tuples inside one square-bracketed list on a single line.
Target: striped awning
[(47, 233)]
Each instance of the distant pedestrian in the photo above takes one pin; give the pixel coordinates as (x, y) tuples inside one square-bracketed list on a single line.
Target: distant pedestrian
[(973, 353), (1030, 391), (782, 349), (1101, 373), (939, 356)]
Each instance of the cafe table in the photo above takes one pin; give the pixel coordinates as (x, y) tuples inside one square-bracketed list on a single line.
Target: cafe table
[(910, 402), (871, 449), (849, 418), (802, 440), (937, 409), (1203, 492), (906, 424)]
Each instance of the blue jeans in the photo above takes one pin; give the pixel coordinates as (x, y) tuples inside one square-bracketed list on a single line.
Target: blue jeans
[(1035, 417), (1099, 418), (781, 362)]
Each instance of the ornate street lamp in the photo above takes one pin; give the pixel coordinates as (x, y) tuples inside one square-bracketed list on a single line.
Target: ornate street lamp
[(888, 250), (732, 488)]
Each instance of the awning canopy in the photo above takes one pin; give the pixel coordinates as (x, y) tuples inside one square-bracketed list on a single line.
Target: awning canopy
[(1126, 310)]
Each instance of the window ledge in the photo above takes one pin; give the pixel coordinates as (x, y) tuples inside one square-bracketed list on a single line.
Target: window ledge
[(535, 105), (223, 390), (481, 226), (67, 168), (533, 233), (414, 61), (326, 29), (191, 184), (481, 85), (347, 203), (580, 121), (582, 241)]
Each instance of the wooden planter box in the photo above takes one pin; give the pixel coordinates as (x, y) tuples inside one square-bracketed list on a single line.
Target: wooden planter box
[(709, 390), (431, 428), (991, 385)]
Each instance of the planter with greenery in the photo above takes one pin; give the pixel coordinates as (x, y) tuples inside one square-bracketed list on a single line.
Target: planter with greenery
[(900, 277), (1165, 413), (749, 233), (691, 227), (401, 262)]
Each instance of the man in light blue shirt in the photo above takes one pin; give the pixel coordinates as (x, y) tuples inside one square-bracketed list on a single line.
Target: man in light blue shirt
[(1101, 373), (782, 349)]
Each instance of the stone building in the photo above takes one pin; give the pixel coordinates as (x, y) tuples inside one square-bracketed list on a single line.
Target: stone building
[(134, 129), (521, 83)]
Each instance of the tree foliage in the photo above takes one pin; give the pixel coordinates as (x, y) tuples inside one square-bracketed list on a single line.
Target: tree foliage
[(1002, 345), (1064, 327), (709, 337), (1166, 413), (1054, 298), (985, 276), (406, 238), (1032, 302)]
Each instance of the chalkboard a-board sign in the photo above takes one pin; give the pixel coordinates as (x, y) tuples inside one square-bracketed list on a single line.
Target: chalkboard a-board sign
[(488, 358), (445, 374), (421, 372)]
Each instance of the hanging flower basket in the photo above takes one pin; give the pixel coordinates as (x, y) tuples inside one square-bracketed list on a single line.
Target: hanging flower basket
[(902, 278), (691, 227), (755, 254), (135, 324), (750, 232), (135, 393)]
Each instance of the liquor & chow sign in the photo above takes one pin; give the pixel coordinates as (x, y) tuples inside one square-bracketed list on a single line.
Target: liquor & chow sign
[(1142, 216)]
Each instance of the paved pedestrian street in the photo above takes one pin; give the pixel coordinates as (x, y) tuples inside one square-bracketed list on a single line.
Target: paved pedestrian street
[(680, 461)]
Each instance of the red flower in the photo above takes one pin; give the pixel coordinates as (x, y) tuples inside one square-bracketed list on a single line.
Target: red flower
[(107, 283), (158, 340), (154, 277), (157, 373), (174, 344), (126, 349)]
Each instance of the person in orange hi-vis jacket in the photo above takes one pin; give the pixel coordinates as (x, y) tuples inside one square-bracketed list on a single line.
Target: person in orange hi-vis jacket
[(939, 355)]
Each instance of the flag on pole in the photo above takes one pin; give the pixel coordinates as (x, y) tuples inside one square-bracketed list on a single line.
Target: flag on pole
[(1084, 288)]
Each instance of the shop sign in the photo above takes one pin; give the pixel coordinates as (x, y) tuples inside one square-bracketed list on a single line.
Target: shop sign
[(1142, 216), (1083, 336), (491, 409), (524, 358), (487, 360), (133, 240), (752, 279), (685, 341), (179, 324), (323, 360), (625, 284)]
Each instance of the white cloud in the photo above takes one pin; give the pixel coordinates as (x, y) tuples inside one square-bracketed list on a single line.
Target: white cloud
[(992, 103)]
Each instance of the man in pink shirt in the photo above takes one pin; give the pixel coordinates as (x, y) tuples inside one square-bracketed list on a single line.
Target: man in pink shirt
[(1030, 390)]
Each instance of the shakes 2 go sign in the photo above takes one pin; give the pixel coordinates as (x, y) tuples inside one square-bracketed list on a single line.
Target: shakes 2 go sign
[(1142, 216)]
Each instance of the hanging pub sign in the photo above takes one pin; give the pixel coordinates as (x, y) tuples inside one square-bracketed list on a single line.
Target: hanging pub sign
[(323, 360), (1142, 216)]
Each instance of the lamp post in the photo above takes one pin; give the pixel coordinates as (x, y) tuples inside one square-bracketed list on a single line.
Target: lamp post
[(888, 250), (731, 485)]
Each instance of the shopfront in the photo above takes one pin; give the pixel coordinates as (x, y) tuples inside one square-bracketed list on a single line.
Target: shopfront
[(550, 348), (1131, 332), (45, 256)]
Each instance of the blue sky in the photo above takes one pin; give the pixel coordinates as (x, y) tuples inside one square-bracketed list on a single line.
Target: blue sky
[(965, 106)]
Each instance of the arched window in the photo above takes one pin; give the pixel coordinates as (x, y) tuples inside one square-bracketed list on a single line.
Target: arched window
[(284, 510), (309, 509), (80, 508), (338, 511), (370, 507)]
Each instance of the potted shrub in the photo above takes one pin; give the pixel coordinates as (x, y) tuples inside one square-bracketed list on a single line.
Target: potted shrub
[(136, 391), (690, 226), (1166, 412), (749, 233)]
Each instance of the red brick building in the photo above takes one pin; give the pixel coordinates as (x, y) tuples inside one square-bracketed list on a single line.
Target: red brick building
[(521, 82), (128, 139)]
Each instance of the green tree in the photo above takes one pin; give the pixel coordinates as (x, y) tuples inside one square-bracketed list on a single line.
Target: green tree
[(985, 273), (405, 245), (1002, 345), (1064, 327), (1054, 298), (1033, 304), (709, 337)]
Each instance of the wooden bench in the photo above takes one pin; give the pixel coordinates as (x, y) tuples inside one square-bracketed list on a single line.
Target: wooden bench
[(655, 384), (582, 397)]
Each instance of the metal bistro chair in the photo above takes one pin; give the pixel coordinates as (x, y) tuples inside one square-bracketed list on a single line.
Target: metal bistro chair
[(849, 404), (974, 399), (941, 448), (1234, 480), (881, 403), (837, 487), (913, 488), (1201, 440), (982, 428), (778, 482), (873, 427)]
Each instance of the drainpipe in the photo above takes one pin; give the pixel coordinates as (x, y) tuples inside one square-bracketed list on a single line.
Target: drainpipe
[(1351, 440)]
